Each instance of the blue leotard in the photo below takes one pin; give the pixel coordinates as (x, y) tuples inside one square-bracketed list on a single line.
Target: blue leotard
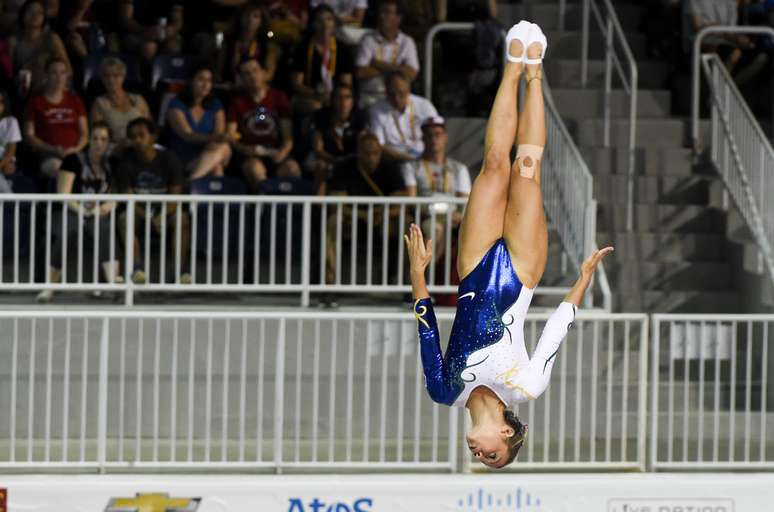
[(486, 346)]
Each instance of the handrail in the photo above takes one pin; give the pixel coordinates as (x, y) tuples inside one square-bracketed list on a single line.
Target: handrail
[(695, 91), (611, 27), (750, 152), (585, 221)]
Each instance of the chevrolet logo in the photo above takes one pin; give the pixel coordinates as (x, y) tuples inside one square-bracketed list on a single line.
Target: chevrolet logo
[(153, 503)]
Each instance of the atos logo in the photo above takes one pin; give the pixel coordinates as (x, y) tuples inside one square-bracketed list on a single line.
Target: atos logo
[(316, 505), (517, 500)]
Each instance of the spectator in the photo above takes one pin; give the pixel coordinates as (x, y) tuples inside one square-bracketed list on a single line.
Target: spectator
[(397, 121), (437, 175), (259, 124), (55, 124), (86, 172), (250, 40), (198, 124), (384, 51), (350, 14), (10, 135), (320, 62), (737, 50), (117, 107), (34, 46), (149, 27), (334, 133), (363, 174), (147, 169)]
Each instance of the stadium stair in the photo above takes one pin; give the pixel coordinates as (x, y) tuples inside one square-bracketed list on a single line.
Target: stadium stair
[(677, 258)]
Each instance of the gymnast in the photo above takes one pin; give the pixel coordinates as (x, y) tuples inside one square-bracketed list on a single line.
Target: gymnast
[(502, 250)]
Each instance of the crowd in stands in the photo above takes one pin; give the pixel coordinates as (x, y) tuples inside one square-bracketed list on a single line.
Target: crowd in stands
[(288, 97)]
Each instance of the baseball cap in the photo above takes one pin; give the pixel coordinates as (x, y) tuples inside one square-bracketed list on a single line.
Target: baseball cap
[(434, 121)]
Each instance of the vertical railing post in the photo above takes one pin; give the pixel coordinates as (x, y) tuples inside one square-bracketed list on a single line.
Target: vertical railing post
[(608, 77), (129, 256), (279, 395), (642, 409), (585, 43), (103, 395), (306, 249), (654, 364)]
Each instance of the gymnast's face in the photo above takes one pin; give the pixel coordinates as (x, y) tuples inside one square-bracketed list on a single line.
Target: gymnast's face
[(488, 443)]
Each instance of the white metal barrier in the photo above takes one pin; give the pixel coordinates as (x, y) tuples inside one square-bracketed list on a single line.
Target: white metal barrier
[(298, 244), (695, 72), (567, 183), (282, 391), (709, 392), (743, 156), (608, 22)]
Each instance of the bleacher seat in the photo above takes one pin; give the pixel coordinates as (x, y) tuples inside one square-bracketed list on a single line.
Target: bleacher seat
[(227, 186)]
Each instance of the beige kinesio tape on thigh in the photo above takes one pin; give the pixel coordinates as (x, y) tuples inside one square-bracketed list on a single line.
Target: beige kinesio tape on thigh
[(535, 154)]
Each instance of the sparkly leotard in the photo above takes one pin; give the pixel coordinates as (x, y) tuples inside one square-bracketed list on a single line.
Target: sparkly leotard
[(486, 346)]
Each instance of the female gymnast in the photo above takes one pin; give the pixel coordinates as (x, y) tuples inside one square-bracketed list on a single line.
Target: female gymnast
[(503, 245)]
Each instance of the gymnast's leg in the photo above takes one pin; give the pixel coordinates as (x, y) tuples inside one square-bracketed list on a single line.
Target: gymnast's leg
[(525, 230), (482, 224)]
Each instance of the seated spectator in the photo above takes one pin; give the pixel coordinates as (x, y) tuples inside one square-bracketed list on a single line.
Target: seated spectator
[(86, 172), (249, 40), (320, 62), (384, 51), (10, 135), (55, 124), (198, 123), (437, 175), (147, 28), (148, 169), (334, 133), (259, 124), (34, 46), (363, 174), (397, 121), (350, 13), (737, 50), (117, 107)]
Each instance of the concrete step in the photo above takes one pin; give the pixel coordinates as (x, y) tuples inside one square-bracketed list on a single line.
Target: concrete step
[(653, 74), (650, 301), (650, 133), (569, 44), (662, 218), (636, 274), (546, 14), (612, 188), (660, 247), (647, 161), (576, 103)]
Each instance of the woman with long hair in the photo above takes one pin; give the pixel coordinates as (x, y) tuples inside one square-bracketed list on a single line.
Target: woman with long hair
[(503, 245)]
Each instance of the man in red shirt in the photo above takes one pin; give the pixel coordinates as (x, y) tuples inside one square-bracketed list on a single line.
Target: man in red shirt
[(55, 123), (260, 127)]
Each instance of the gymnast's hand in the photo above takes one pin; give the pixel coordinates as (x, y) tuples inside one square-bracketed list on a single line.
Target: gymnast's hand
[(590, 265), (420, 253)]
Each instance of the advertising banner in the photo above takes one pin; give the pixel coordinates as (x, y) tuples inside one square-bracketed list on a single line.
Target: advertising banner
[(661, 492)]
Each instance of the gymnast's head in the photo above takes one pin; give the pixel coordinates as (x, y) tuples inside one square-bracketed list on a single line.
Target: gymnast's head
[(497, 435)]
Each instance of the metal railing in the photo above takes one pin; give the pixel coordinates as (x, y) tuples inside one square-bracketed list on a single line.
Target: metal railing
[(136, 390), (695, 71), (613, 32), (743, 156), (567, 183), (709, 393), (288, 244)]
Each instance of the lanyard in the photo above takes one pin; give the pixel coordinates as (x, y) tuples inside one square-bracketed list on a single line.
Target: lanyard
[(412, 122), (431, 177), (328, 60), (371, 183), (395, 54)]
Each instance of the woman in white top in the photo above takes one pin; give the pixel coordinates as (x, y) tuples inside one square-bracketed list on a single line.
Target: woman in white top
[(502, 250)]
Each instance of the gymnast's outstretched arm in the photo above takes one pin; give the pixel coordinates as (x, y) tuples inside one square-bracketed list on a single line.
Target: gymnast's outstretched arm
[(420, 254)]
